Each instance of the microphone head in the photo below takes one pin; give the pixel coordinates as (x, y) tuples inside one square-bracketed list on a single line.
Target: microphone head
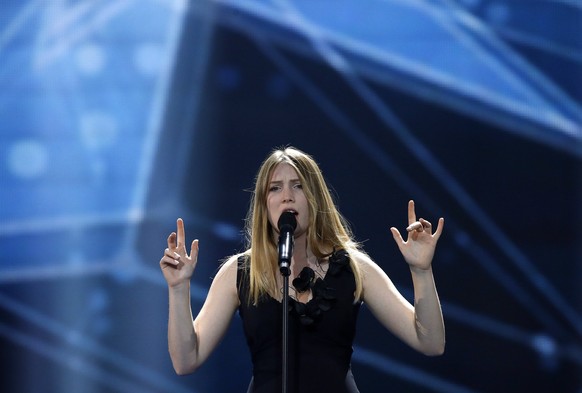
[(287, 222)]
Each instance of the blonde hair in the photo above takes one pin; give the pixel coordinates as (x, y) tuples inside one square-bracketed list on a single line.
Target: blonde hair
[(328, 230)]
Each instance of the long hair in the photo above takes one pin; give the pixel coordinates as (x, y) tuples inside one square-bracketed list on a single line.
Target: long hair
[(327, 230)]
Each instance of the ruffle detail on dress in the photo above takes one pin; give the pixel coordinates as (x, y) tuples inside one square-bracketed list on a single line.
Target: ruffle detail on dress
[(323, 297)]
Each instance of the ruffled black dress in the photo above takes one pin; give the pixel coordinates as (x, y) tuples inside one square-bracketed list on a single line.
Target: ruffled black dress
[(321, 332)]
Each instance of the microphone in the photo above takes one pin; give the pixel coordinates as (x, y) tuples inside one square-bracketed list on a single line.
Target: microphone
[(286, 224)]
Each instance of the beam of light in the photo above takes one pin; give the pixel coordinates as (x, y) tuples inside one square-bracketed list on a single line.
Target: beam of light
[(17, 23), (500, 329), (198, 293), (576, 4), (462, 95), (58, 271), (540, 43), (76, 338), (72, 361), (70, 28), (61, 223), (479, 35), (154, 128), (406, 372)]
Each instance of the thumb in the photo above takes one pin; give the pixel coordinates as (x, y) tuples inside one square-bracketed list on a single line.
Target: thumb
[(396, 235)]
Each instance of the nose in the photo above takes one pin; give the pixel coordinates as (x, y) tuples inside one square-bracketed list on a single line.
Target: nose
[(287, 195)]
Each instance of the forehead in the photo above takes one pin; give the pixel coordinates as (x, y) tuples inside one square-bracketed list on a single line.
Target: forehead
[(283, 171)]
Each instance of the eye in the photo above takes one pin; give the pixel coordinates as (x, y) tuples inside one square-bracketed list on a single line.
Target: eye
[(274, 188), (298, 185)]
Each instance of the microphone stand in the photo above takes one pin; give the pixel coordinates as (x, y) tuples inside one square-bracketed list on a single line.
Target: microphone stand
[(285, 274), (285, 252), (286, 224)]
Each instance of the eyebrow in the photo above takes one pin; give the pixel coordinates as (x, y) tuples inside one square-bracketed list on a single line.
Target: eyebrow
[(281, 181)]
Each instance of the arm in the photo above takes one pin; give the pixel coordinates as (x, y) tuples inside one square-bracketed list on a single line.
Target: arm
[(421, 326), (191, 342)]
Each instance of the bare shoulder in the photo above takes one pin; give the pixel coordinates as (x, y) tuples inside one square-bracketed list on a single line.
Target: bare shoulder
[(229, 268), (375, 281), (224, 283), (226, 276), (363, 260)]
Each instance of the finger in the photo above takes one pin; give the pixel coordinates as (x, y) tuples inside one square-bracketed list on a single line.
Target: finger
[(171, 254), (167, 261), (396, 235), (398, 239), (181, 233), (425, 225), (172, 240), (439, 229), (411, 213), (194, 250), (415, 226)]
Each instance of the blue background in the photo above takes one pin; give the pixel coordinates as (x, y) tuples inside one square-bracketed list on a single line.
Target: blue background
[(117, 117)]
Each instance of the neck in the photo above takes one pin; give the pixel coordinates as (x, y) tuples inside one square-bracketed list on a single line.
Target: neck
[(301, 254)]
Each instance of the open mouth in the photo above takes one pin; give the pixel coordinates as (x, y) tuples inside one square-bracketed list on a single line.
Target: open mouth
[(291, 211)]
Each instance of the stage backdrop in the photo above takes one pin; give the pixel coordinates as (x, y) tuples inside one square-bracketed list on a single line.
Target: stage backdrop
[(117, 117)]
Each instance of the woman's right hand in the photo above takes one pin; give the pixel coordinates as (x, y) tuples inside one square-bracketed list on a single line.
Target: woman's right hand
[(177, 266)]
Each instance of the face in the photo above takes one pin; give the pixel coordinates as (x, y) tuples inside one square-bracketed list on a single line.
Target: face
[(286, 193)]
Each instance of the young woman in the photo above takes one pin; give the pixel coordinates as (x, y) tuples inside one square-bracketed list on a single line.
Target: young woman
[(330, 278)]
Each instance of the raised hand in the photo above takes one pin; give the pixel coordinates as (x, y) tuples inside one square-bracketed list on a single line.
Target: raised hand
[(418, 249), (177, 266)]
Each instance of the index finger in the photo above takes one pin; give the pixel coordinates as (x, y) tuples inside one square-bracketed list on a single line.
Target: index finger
[(181, 233)]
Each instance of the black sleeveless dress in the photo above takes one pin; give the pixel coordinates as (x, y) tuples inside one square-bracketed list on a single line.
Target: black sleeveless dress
[(321, 332)]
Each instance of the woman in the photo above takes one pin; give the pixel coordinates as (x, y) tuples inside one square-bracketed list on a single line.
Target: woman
[(331, 277)]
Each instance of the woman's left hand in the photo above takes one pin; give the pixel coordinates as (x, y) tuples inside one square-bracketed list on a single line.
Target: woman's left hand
[(418, 249)]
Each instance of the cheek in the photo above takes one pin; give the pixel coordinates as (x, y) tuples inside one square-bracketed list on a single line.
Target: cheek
[(304, 222), (304, 218), (270, 211)]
